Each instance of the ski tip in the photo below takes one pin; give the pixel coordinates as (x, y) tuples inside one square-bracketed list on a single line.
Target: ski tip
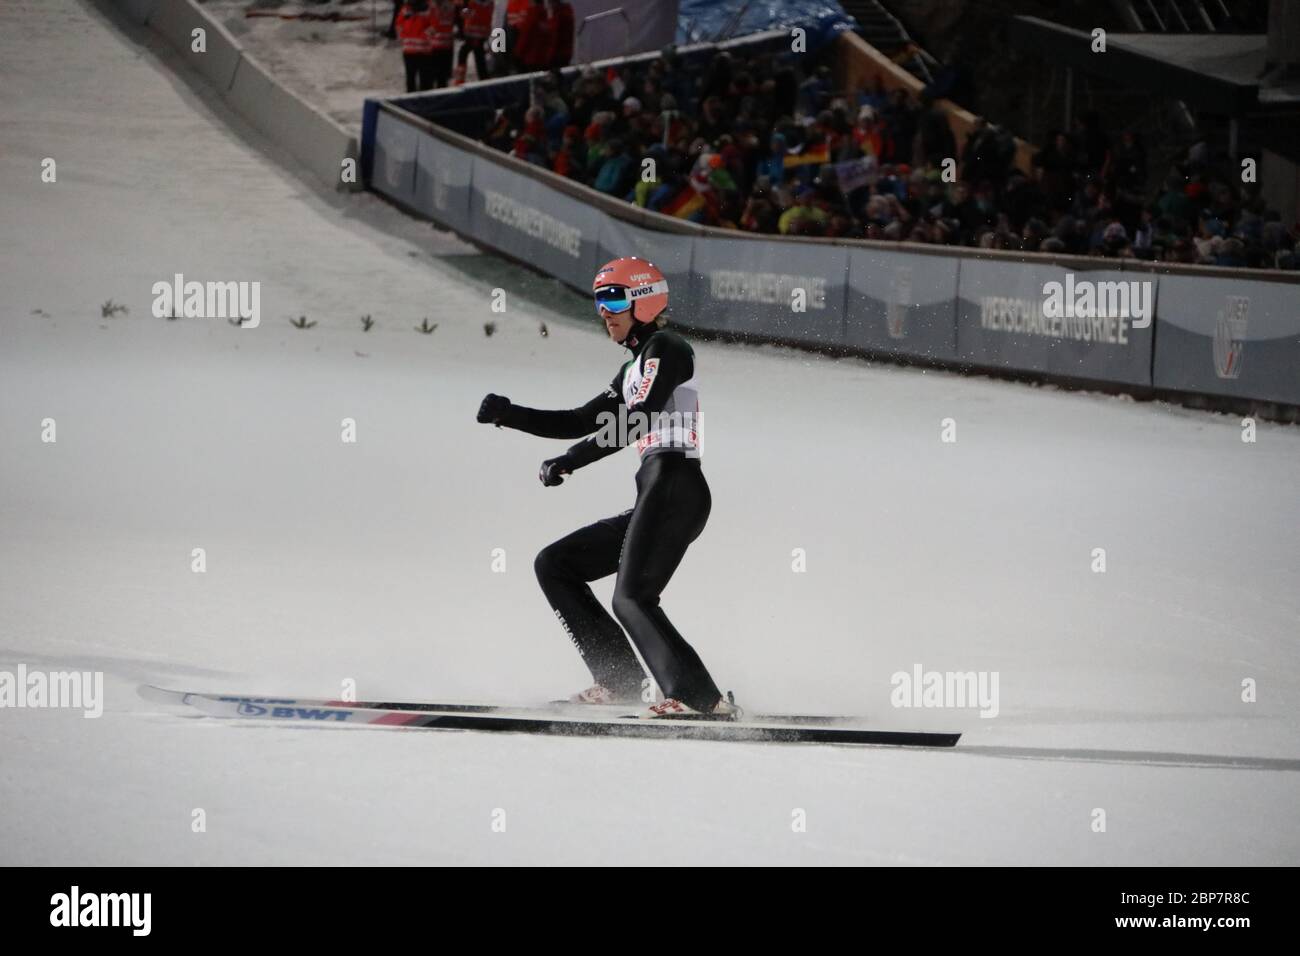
[(160, 695)]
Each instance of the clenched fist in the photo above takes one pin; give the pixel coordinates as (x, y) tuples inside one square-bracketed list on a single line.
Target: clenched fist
[(553, 471), (493, 409)]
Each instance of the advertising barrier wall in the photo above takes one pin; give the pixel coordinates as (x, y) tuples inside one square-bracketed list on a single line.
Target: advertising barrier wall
[(1126, 324), (526, 219), (391, 170), (902, 303), (1229, 337), (1004, 320), (767, 287), (443, 177)]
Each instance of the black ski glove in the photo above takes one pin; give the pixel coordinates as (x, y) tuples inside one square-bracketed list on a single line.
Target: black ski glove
[(553, 470), (494, 410)]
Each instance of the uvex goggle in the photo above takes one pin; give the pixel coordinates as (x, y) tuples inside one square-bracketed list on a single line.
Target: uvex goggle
[(613, 298), (619, 298)]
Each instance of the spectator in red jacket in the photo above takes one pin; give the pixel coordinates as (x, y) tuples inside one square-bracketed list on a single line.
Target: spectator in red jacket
[(442, 40), (475, 26), (516, 14), (413, 29), (537, 38), (562, 11)]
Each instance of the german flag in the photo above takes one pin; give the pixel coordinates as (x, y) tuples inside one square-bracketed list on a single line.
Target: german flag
[(685, 204), (817, 154)]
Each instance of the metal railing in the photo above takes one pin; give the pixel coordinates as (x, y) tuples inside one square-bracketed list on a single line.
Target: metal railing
[(580, 54)]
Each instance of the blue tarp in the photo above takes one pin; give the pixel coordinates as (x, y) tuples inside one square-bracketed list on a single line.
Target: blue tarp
[(702, 21)]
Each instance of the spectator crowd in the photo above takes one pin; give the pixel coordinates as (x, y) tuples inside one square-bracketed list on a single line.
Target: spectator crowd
[(755, 143)]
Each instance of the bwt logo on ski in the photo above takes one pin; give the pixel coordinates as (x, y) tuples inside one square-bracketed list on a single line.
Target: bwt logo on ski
[(280, 709), (103, 909), (24, 688), (946, 689), (241, 301), (1085, 299)]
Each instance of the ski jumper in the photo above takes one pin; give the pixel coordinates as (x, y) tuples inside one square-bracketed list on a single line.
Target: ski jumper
[(645, 544)]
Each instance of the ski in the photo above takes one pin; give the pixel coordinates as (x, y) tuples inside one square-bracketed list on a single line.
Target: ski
[(163, 695), (551, 707), (549, 721)]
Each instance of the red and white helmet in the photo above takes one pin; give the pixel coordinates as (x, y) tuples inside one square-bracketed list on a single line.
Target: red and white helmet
[(631, 283)]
